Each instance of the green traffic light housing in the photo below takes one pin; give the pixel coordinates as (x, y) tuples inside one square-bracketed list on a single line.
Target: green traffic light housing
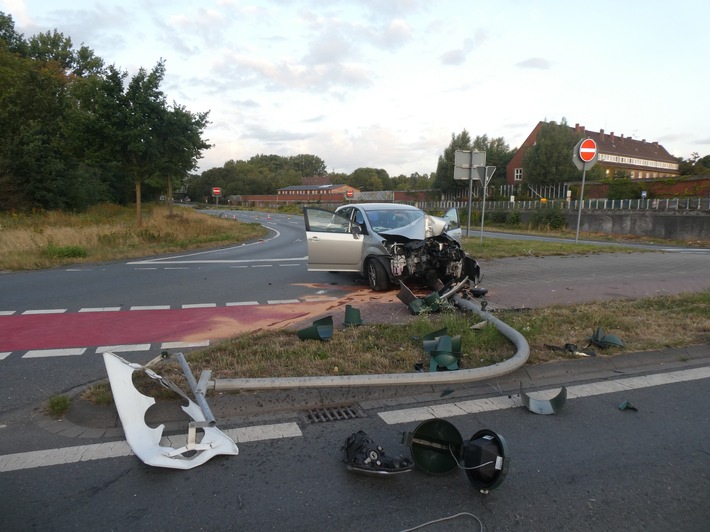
[(486, 459), (438, 448)]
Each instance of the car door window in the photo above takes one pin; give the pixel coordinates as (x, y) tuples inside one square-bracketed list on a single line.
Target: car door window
[(319, 220)]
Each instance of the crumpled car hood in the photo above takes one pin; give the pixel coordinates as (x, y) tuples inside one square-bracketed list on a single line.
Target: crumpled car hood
[(420, 229)]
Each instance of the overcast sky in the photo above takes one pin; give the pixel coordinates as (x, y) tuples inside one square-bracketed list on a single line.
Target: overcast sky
[(385, 83)]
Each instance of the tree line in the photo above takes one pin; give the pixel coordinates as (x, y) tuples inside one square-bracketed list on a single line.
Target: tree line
[(77, 132)]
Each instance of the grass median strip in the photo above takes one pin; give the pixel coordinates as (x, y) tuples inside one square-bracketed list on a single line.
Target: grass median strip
[(643, 325)]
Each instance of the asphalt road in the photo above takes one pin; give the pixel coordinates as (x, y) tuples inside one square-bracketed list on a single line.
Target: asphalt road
[(589, 466)]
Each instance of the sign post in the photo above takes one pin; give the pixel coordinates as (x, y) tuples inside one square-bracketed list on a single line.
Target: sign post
[(485, 173), (466, 164), (584, 155), (216, 193)]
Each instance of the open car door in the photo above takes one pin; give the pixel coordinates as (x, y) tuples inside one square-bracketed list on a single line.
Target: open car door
[(334, 243), (454, 229)]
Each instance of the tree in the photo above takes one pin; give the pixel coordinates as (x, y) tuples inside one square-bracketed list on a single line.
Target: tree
[(444, 178), (144, 110), (368, 179), (180, 145), (308, 165), (9, 38), (498, 153), (694, 165), (549, 161)]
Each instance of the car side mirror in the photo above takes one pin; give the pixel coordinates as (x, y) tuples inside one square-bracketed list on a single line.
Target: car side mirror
[(356, 230)]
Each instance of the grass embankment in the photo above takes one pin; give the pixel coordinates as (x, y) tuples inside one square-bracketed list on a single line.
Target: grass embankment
[(109, 232)]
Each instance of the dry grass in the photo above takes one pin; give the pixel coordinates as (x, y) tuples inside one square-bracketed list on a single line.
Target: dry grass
[(643, 325), (109, 232)]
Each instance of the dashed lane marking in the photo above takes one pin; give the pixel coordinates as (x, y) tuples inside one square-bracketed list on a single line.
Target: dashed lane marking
[(184, 345), (100, 451), (200, 305), (45, 311), (475, 406), (282, 301), (127, 348), (5, 354), (151, 307), (44, 353), (100, 309)]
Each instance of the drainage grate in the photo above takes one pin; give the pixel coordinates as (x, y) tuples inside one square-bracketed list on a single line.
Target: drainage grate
[(338, 413)]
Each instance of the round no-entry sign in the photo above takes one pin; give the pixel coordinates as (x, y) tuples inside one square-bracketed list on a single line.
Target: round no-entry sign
[(216, 191), (587, 150)]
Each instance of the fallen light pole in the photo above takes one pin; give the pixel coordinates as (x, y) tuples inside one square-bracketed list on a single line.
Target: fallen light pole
[(400, 379)]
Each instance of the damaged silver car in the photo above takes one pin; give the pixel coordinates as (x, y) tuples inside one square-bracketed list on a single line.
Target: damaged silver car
[(388, 243)]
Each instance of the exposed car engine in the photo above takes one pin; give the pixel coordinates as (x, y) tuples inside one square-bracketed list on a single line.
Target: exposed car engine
[(438, 257)]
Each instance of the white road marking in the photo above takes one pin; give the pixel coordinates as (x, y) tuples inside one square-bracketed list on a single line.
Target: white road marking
[(200, 305), (6, 312), (182, 345), (99, 451), (5, 354), (282, 301), (46, 311), (241, 303), (44, 353), (461, 408), (216, 261), (122, 348), (100, 309), (153, 307)]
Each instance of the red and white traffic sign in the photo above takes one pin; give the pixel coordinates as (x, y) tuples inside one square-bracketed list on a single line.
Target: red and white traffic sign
[(587, 150), (216, 191)]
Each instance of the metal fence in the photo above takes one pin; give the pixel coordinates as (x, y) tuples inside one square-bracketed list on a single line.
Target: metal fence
[(670, 204)]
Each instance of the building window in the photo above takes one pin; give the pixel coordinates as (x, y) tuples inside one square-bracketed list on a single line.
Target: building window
[(518, 174)]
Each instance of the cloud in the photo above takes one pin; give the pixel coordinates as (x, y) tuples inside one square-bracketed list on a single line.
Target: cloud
[(459, 55), (535, 62), (241, 69)]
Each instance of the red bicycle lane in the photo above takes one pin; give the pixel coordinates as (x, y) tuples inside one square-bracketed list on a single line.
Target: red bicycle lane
[(82, 329)]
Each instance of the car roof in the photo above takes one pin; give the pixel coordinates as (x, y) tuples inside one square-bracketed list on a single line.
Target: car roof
[(383, 206)]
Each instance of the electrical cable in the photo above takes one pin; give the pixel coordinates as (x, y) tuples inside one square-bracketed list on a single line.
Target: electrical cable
[(480, 523), (464, 467)]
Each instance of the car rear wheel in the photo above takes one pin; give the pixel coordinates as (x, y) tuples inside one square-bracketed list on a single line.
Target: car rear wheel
[(377, 276)]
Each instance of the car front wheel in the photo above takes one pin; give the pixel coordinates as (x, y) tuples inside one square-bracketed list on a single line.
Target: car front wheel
[(377, 276)]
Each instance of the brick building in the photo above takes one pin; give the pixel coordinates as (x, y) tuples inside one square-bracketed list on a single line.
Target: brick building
[(641, 159)]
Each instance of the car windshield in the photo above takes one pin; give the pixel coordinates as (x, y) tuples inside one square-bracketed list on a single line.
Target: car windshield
[(391, 219)]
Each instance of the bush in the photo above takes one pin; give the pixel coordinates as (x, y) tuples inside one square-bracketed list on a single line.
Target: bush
[(499, 217), (549, 219), (64, 252), (513, 218)]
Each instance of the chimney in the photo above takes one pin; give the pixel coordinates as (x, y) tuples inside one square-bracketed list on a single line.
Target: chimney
[(601, 135), (611, 135), (643, 140), (576, 128), (622, 139)]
